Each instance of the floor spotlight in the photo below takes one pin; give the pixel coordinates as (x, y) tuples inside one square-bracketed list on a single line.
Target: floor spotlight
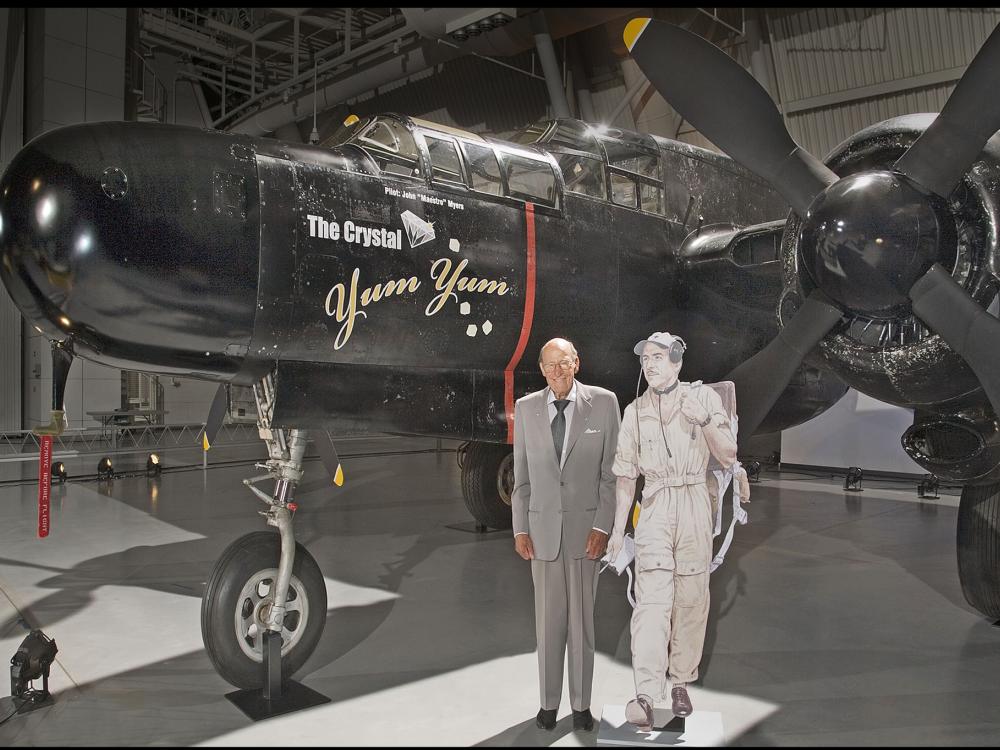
[(928, 486), (32, 660), (753, 470), (104, 470), (153, 467), (59, 472), (852, 482)]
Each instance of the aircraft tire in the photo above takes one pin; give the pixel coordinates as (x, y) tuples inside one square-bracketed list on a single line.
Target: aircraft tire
[(488, 475), (232, 595), (979, 547)]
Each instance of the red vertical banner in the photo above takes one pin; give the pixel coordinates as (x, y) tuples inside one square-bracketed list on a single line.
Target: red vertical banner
[(44, 484), (529, 314)]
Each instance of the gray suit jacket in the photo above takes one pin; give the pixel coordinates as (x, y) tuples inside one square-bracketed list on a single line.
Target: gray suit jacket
[(562, 506)]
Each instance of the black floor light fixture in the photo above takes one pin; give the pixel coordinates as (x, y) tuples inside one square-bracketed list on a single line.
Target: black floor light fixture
[(32, 661), (852, 482), (104, 470), (928, 487), (153, 466)]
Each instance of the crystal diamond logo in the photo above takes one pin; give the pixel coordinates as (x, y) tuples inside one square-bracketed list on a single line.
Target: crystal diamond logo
[(418, 231)]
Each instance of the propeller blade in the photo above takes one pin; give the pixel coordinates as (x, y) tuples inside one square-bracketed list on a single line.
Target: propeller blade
[(216, 413), (726, 104), (973, 333), (762, 378), (945, 151), (328, 455)]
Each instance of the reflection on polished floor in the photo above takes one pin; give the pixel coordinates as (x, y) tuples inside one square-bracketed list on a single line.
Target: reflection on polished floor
[(837, 618)]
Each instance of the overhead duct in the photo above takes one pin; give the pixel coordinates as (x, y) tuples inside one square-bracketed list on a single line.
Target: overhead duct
[(512, 38)]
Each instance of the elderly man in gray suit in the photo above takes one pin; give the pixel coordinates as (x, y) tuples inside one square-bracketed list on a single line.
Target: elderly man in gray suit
[(563, 507)]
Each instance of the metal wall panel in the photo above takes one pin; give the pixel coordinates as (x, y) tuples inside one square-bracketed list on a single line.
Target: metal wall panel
[(11, 140), (841, 69), (820, 130)]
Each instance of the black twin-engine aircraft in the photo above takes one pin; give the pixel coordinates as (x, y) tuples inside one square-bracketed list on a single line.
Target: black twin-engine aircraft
[(404, 279)]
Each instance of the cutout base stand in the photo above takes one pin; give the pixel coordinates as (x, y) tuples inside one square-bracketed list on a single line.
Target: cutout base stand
[(278, 696), (701, 728)]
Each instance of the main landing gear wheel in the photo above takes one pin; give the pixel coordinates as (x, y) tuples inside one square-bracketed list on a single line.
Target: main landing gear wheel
[(979, 547), (237, 597), (488, 482)]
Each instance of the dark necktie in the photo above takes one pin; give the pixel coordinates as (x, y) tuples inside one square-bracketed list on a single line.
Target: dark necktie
[(559, 426)]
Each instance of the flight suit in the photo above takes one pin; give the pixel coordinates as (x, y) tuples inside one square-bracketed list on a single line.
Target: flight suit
[(673, 538)]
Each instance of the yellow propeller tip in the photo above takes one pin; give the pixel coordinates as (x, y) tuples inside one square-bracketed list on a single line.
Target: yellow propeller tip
[(204, 442), (338, 478), (632, 31)]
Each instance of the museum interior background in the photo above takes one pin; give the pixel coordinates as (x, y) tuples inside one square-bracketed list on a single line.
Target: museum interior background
[(832, 71), (853, 599)]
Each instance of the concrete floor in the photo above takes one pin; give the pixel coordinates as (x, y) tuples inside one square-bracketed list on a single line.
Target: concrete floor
[(837, 618)]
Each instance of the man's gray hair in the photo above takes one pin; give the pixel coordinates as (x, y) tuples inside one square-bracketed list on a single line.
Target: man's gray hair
[(552, 341)]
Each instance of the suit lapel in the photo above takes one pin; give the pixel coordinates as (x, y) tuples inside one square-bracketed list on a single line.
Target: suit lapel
[(581, 417)]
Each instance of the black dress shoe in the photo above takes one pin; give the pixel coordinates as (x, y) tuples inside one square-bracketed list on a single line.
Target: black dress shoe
[(546, 719), (583, 720)]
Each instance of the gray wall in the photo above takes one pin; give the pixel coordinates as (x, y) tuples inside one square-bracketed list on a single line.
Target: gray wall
[(11, 139)]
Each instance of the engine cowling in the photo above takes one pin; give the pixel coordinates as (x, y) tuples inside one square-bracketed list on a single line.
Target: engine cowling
[(882, 349)]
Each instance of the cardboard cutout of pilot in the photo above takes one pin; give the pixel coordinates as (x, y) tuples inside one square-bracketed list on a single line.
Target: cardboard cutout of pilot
[(668, 435)]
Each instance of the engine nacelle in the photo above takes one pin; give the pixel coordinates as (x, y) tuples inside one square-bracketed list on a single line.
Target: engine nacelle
[(889, 353), (962, 448)]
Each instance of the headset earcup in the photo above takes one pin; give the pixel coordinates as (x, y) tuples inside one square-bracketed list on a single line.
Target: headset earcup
[(676, 352)]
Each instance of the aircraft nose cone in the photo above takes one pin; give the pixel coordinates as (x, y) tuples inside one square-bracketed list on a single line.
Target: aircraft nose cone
[(46, 228), (139, 240)]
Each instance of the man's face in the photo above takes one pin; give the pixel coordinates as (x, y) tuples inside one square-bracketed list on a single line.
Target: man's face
[(657, 367), (558, 365)]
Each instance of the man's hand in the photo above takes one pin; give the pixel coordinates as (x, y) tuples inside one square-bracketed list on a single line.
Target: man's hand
[(524, 547), (744, 481), (596, 544), (615, 544), (693, 410)]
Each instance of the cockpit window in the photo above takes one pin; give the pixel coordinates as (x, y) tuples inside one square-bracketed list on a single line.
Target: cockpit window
[(575, 135), (483, 168), (530, 179), (445, 164), (530, 134), (391, 145), (631, 159), (582, 174), (580, 158)]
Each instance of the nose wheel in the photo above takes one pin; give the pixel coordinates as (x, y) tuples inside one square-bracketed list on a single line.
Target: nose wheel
[(235, 606)]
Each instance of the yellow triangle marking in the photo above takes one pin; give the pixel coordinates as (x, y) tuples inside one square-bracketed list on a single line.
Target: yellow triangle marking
[(338, 478), (633, 29), (204, 442)]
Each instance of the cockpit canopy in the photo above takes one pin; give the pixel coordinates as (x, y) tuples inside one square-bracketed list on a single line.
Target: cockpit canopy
[(598, 162), (414, 149), (633, 178)]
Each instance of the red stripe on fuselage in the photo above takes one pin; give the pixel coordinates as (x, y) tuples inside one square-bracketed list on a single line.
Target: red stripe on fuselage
[(529, 313)]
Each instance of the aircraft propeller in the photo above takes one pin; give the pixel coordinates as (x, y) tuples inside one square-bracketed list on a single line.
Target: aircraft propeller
[(876, 242)]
